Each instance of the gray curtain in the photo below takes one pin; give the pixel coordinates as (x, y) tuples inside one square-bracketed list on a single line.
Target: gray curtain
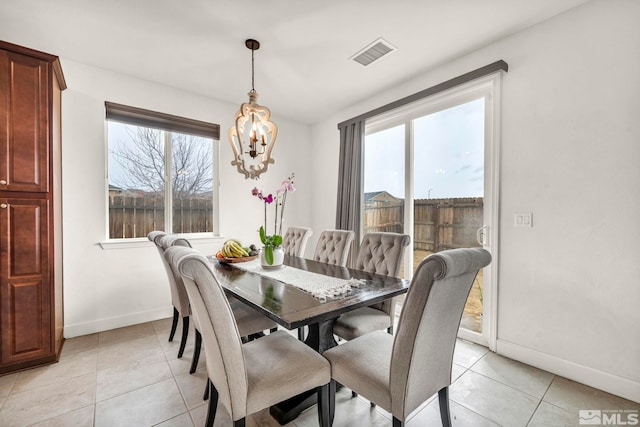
[(348, 216)]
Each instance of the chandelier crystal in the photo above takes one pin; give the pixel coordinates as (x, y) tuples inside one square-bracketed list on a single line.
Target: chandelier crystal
[(253, 134)]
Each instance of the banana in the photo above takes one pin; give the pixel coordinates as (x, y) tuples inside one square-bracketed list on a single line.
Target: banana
[(238, 248), (231, 253), (243, 251), (225, 251), (232, 248)]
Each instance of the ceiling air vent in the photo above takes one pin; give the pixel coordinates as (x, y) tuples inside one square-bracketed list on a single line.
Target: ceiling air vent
[(373, 52)]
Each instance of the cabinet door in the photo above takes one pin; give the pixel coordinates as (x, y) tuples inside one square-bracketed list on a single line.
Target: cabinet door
[(25, 284), (24, 123)]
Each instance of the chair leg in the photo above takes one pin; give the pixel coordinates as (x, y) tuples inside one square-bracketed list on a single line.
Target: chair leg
[(353, 394), (390, 330), (373, 405), (206, 391), (301, 333), (239, 423), (213, 405), (324, 412), (185, 332), (397, 422), (196, 352), (445, 413), (332, 401), (174, 323)]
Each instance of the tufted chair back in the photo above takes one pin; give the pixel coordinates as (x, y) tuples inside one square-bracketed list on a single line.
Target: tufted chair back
[(379, 253), (333, 247), (382, 253), (295, 240)]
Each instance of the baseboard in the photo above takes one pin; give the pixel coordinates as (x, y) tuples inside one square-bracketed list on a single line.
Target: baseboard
[(620, 386), (99, 325)]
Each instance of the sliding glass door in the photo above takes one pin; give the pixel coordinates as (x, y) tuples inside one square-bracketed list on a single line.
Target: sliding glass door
[(430, 172)]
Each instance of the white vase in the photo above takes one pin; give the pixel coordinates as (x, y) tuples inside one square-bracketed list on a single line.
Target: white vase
[(278, 258)]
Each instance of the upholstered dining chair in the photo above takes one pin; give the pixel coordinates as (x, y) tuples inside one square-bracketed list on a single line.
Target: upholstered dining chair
[(179, 298), (249, 321), (379, 253), (246, 378), (333, 247), (295, 240), (400, 373)]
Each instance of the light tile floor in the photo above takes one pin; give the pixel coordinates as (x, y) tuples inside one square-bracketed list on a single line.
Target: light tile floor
[(132, 377)]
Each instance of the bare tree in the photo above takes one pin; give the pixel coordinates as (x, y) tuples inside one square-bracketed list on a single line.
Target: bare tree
[(142, 159)]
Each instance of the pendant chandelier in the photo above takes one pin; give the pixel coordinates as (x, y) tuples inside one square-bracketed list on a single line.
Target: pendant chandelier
[(253, 135)]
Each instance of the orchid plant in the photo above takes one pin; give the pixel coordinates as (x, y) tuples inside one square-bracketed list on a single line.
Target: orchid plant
[(274, 240)]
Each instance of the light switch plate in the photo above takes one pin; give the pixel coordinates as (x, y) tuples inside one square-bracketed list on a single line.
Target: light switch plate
[(523, 219)]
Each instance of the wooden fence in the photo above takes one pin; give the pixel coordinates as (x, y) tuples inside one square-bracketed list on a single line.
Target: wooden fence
[(135, 216), (439, 224)]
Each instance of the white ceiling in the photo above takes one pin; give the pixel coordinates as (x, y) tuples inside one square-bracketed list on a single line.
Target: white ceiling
[(303, 70)]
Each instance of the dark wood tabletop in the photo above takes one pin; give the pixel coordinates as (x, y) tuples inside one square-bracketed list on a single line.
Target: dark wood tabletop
[(292, 307)]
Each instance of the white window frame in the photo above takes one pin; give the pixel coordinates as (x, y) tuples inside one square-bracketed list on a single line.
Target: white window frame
[(211, 236), (488, 87)]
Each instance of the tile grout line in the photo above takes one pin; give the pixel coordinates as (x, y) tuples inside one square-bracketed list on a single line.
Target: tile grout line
[(173, 376), (5, 398), (541, 400), (458, 379), (512, 387), (471, 410), (166, 360), (95, 389), (506, 385), (137, 388)]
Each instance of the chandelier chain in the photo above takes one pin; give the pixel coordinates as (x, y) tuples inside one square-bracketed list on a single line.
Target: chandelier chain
[(253, 88)]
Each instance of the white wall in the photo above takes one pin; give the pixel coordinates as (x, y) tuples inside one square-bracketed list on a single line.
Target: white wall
[(569, 299), (104, 289)]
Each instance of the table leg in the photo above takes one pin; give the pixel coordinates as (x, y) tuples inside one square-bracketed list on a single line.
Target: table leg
[(320, 338)]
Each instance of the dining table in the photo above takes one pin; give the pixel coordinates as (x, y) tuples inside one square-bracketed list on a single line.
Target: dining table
[(301, 293)]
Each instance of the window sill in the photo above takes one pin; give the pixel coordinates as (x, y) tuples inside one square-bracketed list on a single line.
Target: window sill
[(143, 242)]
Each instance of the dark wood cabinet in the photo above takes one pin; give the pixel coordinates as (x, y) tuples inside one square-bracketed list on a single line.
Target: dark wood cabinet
[(30, 213), (25, 300), (24, 99)]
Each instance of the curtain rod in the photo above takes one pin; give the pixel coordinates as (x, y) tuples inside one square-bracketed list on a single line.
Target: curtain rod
[(464, 78)]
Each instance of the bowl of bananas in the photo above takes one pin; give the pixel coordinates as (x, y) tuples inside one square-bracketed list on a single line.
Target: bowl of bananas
[(233, 251)]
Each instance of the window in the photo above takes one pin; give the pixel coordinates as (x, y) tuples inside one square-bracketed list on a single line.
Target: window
[(162, 173), (427, 173)]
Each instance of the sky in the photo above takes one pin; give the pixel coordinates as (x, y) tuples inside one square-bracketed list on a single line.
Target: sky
[(448, 155), (123, 135)]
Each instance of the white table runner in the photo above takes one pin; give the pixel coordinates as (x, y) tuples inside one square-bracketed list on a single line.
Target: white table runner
[(318, 285)]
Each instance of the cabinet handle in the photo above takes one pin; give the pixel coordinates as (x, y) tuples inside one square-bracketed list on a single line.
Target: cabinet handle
[(4, 206), (3, 182)]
